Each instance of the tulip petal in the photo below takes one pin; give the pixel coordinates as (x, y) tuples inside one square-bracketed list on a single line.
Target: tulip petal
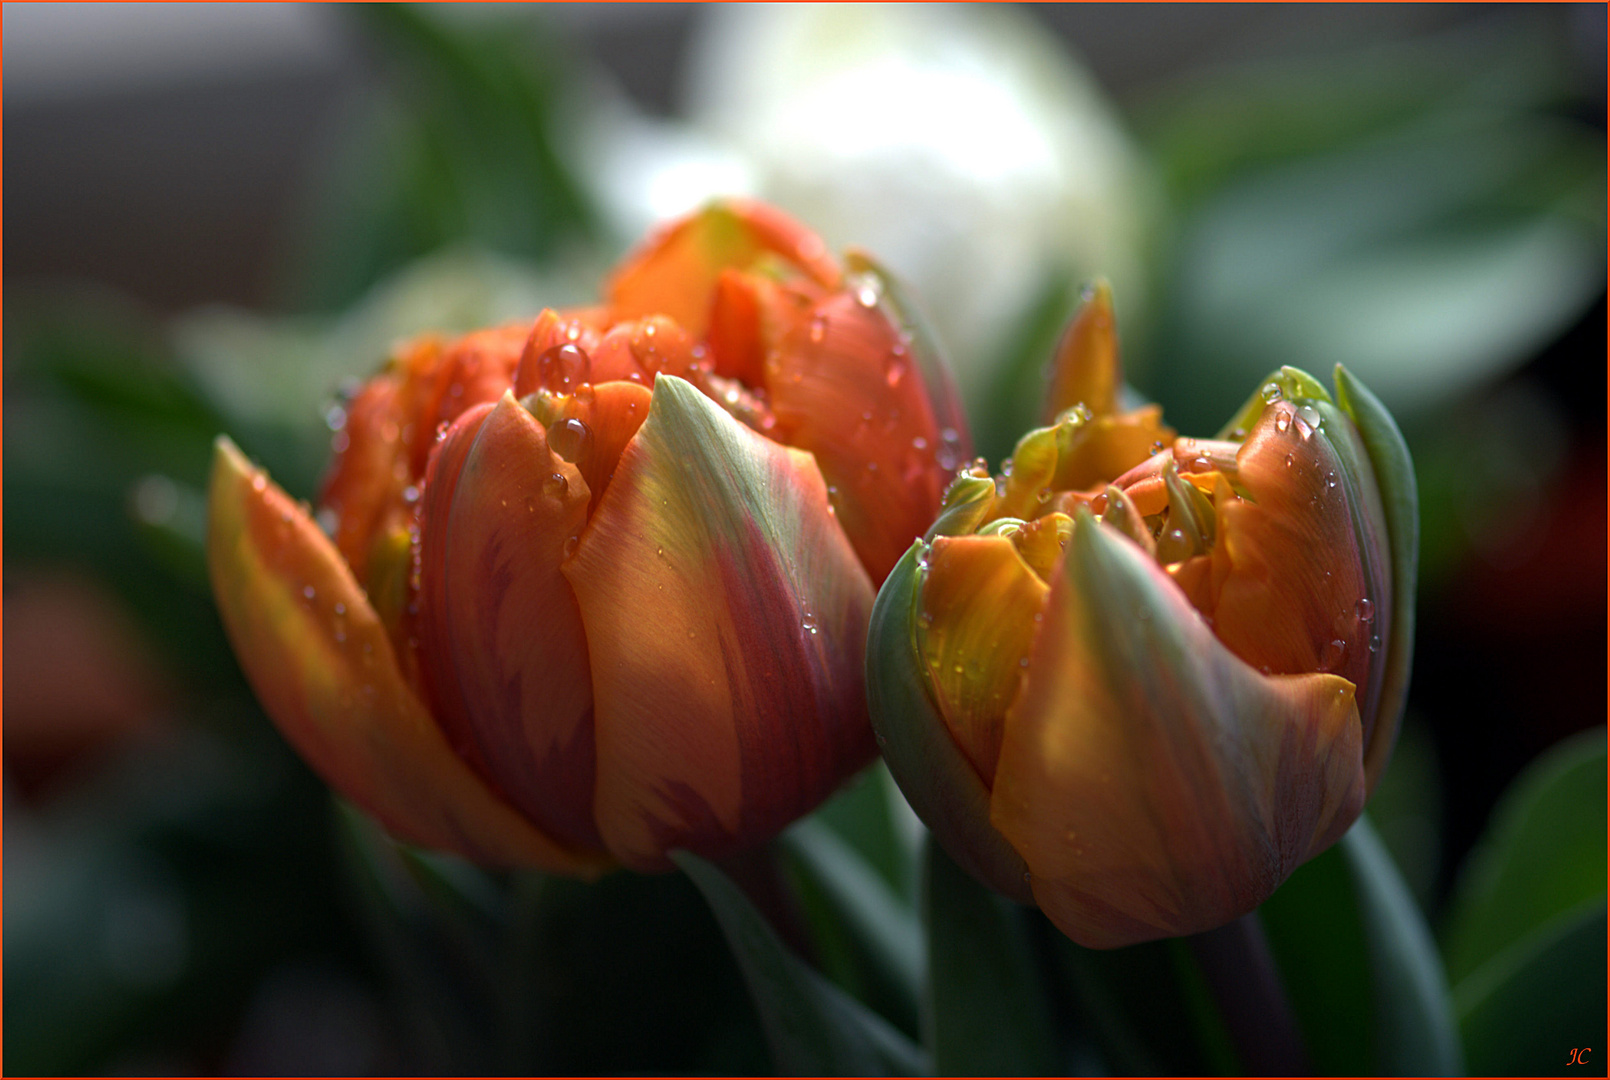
[(323, 668), (1298, 572), (1155, 784), (975, 630), (842, 386), (938, 780), (726, 619), (502, 644), (608, 414), (1394, 475), (1085, 369), (676, 271)]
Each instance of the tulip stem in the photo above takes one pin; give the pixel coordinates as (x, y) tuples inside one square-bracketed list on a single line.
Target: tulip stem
[(1240, 971)]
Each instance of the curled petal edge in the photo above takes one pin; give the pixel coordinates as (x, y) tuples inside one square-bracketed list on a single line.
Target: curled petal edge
[(323, 667)]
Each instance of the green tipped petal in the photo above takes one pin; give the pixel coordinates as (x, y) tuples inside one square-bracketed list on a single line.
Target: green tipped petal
[(1394, 477), (936, 777)]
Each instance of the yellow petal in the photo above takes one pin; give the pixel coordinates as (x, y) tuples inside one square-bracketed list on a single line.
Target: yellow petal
[(501, 639), (726, 617), (1155, 784), (322, 666), (975, 630)]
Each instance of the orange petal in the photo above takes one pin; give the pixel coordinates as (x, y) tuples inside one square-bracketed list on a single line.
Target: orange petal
[(556, 355), (1085, 369), (726, 617), (975, 630), (591, 428), (474, 370), (501, 640), (676, 271), (1293, 594), (1154, 783), (844, 386), (737, 349), (363, 481), (1106, 447), (321, 665)]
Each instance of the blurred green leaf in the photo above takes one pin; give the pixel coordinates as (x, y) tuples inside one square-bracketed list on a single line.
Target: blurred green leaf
[(1424, 213), (814, 1028), (987, 1012), (1542, 856), (1406, 810), (866, 936), (1360, 966), (871, 816), (1525, 931), (1523, 1012), (461, 148), (1146, 1007)]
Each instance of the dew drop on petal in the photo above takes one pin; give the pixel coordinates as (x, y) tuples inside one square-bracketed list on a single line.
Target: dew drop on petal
[(308, 592), (571, 439), (1271, 393), (555, 487), (1283, 422), (1364, 609)]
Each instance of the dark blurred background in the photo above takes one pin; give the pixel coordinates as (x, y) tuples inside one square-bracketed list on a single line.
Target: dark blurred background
[(218, 215)]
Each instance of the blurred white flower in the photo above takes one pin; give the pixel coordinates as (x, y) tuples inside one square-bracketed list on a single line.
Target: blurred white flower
[(960, 145)]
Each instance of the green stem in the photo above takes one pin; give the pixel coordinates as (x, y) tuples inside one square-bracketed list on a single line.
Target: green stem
[(1240, 970)]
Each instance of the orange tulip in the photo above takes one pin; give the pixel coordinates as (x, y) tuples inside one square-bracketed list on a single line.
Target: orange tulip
[(1138, 679), (597, 588)]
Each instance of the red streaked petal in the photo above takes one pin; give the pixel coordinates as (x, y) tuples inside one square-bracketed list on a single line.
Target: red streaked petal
[(726, 618), (844, 386), (1155, 784), (323, 669), (1291, 587), (501, 639), (475, 369)]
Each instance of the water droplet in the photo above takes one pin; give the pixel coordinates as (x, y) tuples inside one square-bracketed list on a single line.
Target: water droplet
[(340, 609), (1290, 458), (327, 520), (555, 487), (335, 418), (919, 443), (571, 439), (818, 329), (308, 592), (1364, 609), (1157, 446), (1375, 643), (958, 669), (410, 494), (1271, 393), (1308, 420), (1335, 653), (808, 623), (571, 543), (882, 740), (563, 367), (660, 552), (867, 294), (894, 369), (1023, 661)]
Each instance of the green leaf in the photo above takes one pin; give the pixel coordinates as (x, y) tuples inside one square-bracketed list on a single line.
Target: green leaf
[(866, 936), (986, 1009), (813, 1027), (1542, 856), (1523, 1012), (1359, 965)]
